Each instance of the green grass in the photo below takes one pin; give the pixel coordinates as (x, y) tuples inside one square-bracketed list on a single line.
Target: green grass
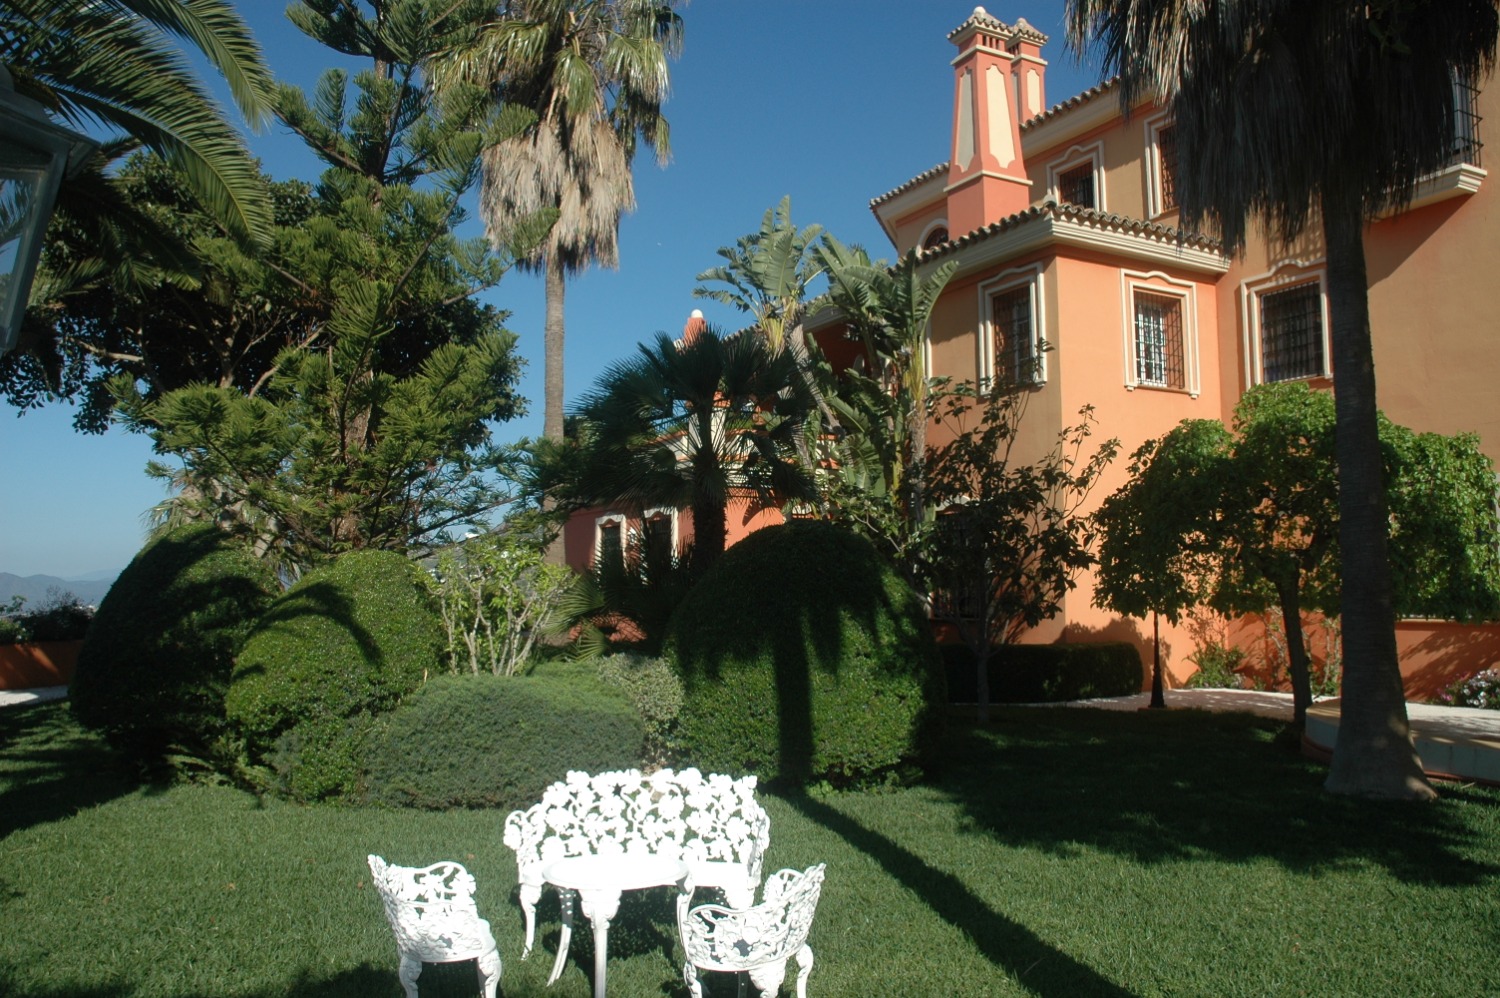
[(1065, 852)]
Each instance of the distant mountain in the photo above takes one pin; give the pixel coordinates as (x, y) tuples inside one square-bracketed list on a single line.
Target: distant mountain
[(35, 588)]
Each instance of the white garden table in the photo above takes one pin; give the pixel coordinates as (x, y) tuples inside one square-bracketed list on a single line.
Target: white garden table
[(597, 882)]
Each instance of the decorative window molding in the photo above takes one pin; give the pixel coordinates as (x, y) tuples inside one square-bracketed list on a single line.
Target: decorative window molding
[(934, 235), (1161, 166), (1160, 332), (1078, 177), (1012, 327), (610, 537), (663, 519), (1284, 315)]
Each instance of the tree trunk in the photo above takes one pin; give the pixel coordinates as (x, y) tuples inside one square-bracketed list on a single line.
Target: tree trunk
[(1296, 651), (552, 386), (1373, 755), (708, 534)]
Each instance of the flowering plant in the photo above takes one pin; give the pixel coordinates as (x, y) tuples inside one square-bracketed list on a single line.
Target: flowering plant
[(1479, 690)]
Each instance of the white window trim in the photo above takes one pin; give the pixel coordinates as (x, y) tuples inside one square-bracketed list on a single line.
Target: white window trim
[(1072, 159), (941, 223), (1287, 274), (1009, 280), (1152, 129), (599, 523), (1158, 283)]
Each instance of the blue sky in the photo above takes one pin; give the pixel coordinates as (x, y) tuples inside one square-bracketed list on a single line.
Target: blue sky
[(832, 102)]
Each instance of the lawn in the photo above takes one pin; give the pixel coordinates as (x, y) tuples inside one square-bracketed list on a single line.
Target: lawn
[(1063, 852)]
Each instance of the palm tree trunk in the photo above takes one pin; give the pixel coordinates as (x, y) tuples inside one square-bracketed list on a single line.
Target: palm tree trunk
[(1373, 755), (552, 389)]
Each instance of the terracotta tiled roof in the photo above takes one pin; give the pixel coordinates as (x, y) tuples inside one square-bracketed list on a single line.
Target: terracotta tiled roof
[(1076, 101), (1023, 31), (1051, 209), (984, 18), (922, 177)]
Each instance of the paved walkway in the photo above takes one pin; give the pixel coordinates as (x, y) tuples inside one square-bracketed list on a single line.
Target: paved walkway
[(12, 698)]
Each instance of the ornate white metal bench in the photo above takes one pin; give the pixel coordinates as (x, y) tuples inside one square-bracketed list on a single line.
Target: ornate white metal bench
[(432, 913), (711, 823), (759, 939)]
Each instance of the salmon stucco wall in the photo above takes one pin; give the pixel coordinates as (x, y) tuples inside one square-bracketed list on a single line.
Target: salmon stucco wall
[(45, 663)]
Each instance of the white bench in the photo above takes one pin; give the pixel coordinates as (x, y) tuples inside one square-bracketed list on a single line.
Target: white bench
[(711, 823)]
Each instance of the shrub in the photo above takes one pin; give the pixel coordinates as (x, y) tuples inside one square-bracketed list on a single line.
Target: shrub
[(342, 646), (1480, 690), (656, 692), (1217, 668), (1048, 673), (59, 618), (806, 657), (154, 667), (483, 741)]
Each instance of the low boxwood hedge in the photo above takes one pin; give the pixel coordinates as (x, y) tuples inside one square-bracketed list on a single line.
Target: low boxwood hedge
[(1047, 673), (497, 741)]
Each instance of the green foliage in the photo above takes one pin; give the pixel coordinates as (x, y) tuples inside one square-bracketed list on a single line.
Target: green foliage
[(1009, 538), (497, 596), (1480, 690), (346, 643), (1248, 519), (1047, 673), (60, 617), (655, 689), (629, 602), (483, 741), (1217, 667), (153, 670), (806, 658)]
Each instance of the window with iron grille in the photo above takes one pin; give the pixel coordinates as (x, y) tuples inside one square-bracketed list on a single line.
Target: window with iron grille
[(1291, 333), (1158, 340), (656, 539), (1465, 123), (611, 547), (1015, 336), (1076, 185), (935, 238), (1166, 168), (965, 601)]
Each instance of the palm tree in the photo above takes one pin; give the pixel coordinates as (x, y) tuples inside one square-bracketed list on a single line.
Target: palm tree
[(595, 74), (111, 63), (1301, 113), (693, 424)]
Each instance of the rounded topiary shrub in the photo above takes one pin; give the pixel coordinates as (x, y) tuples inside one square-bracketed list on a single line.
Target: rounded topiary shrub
[(154, 666), (342, 646), (498, 742), (806, 658)]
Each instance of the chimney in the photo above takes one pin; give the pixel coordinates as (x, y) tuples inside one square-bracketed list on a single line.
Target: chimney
[(694, 328), (997, 83)]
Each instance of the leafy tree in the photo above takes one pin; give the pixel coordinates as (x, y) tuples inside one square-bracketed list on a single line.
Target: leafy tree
[(692, 424), (882, 402), (768, 274), (1248, 519), (1315, 114), (111, 63), (497, 597), (594, 73), (368, 424), (1009, 537)]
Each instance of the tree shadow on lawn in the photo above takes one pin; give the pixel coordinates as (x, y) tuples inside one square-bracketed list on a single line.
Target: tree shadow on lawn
[(1004, 942), (51, 769), (1164, 786)]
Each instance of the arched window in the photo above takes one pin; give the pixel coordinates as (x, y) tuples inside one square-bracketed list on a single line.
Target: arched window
[(936, 237)]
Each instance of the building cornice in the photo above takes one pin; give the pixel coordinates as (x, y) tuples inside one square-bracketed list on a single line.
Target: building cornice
[(1052, 225)]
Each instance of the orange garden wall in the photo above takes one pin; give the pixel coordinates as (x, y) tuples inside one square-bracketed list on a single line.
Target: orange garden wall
[(45, 663)]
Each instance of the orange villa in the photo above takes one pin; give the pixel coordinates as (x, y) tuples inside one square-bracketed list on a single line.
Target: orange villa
[(1062, 222)]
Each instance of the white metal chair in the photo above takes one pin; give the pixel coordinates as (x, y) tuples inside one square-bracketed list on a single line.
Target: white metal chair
[(432, 913), (757, 940)]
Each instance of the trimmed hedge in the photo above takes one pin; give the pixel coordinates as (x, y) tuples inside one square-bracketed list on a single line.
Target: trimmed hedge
[(498, 742), (806, 658), (1047, 673), (341, 647), (156, 661)]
